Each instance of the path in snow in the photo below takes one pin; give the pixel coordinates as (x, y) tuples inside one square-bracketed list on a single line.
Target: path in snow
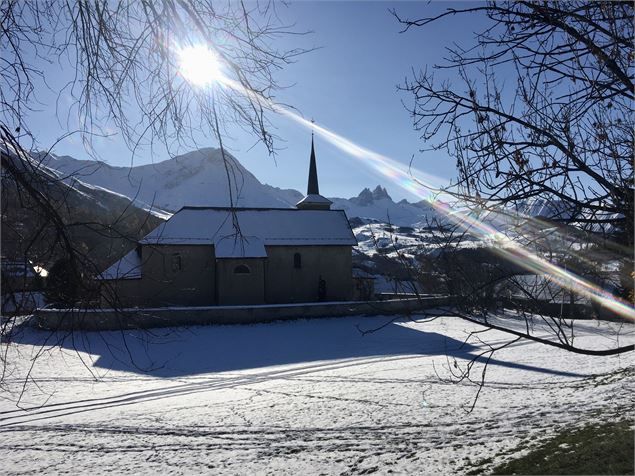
[(304, 396)]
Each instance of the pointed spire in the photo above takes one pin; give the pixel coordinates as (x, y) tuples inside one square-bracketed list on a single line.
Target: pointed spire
[(313, 199), (312, 188)]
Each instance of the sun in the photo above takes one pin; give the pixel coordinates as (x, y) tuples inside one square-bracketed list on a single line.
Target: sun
[(199, 65)]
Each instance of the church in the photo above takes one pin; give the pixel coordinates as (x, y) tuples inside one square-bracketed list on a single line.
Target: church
[(206, 256)]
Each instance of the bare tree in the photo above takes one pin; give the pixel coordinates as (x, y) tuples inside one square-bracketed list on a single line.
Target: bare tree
[(537, 111), (540, 108), (124, 58), (126, 61)]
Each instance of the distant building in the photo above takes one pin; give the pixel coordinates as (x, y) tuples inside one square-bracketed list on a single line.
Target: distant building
[(18, 275), (232, 256), (20, 285)]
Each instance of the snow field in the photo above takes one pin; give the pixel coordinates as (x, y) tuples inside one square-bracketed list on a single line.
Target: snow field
[(300, 397)]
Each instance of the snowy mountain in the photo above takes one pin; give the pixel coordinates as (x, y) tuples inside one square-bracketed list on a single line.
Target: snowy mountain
[(544, 208), (198, 178), (559, 211), (378, 205), (101, 224)]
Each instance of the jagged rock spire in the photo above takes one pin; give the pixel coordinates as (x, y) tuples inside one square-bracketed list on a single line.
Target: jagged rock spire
[(313, 188)]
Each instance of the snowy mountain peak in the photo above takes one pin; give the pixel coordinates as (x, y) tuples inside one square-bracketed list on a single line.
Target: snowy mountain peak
[(366, 197), (197, 178), (380, 193)]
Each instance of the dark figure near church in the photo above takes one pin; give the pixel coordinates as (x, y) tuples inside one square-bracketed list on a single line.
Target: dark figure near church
[(321, 289)]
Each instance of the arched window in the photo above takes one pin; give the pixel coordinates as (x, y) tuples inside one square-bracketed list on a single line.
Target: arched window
[(297, 260), (242, 269)]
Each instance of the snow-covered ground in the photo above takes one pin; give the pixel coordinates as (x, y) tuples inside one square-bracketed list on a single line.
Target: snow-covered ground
[(381, 238), (299, 397)]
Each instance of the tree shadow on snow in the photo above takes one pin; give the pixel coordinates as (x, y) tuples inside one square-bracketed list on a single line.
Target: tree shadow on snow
[(283, 350), (188, 351)]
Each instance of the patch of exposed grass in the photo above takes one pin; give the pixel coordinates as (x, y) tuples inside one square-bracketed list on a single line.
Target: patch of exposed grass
[(605, 448)]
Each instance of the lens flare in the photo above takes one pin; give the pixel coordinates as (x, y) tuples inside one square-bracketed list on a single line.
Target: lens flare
[(430, 188)]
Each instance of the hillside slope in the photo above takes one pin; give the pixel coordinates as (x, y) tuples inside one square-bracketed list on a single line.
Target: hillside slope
[(100, 224), (198, 178)]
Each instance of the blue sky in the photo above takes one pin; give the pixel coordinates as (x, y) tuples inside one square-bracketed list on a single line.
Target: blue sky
[(348, 85)]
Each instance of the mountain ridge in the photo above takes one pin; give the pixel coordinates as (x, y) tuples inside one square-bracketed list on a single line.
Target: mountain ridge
[(100, 225), (199, 178)]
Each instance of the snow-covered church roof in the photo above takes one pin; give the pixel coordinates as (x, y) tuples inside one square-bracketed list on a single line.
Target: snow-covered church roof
[(261, 226), (244, 232)]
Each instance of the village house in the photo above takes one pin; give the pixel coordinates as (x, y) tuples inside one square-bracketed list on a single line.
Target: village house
[(232, 256)]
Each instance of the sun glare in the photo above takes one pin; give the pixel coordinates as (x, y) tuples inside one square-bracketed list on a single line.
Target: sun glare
[(199, 65)]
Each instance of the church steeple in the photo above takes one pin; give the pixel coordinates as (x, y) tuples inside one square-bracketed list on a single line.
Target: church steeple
[(313, 199), (312, 188)]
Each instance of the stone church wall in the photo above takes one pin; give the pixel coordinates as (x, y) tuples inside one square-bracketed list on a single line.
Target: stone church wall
[(286, 283), (247, 287), (181, 275), (190, 275)]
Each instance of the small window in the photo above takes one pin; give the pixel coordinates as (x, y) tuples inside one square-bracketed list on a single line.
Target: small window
[(176, 262), (297, 261), (242, 269)]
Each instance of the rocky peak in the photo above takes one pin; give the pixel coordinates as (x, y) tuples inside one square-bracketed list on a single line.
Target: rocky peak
[(380, 193), (366, 197)]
